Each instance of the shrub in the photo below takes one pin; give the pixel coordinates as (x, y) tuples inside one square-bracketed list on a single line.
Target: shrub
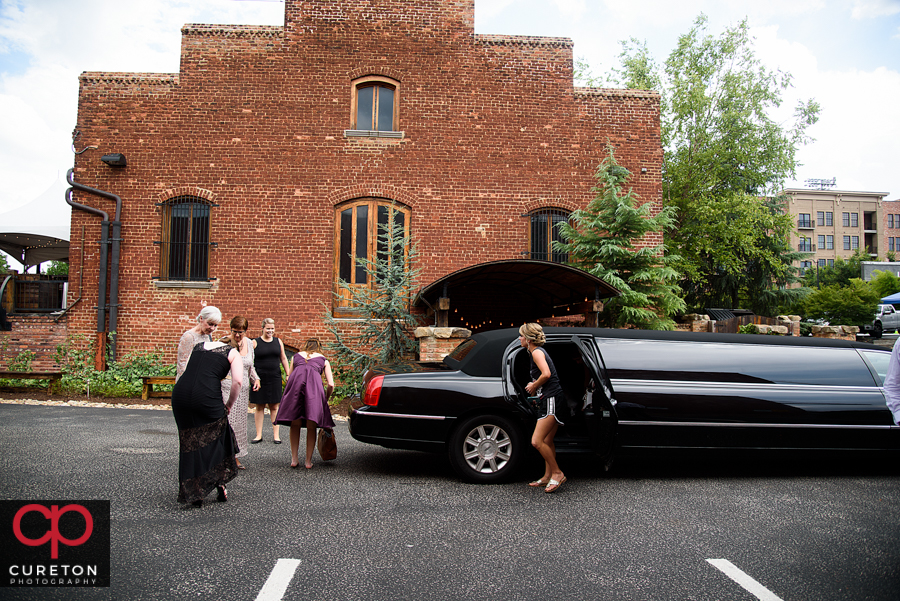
[(122, 378)]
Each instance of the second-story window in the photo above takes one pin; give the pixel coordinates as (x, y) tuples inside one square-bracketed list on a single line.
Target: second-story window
[(804, 220), (375, 104)]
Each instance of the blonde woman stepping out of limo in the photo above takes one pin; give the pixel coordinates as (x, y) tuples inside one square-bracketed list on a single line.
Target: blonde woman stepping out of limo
[(544, 385)]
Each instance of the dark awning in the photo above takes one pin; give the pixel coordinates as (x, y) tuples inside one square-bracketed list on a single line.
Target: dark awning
[(31, 249), (513, 292)]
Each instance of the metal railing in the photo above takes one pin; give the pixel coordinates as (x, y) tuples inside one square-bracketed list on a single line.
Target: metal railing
[(35, 294)]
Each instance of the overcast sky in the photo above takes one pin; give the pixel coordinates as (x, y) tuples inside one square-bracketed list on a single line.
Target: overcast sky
[(843, 53)]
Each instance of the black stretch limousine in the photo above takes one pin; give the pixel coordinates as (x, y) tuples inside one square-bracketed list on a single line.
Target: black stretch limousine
[(632, 389)]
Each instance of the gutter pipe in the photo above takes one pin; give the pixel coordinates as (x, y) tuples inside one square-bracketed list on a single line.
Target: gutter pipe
[(105, 240)]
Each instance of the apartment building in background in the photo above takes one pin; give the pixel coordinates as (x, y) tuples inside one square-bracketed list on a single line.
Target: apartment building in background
[(835, 223)]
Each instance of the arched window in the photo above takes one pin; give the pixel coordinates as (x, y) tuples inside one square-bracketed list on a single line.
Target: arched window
[(184, 245), (375, 104), (544, 230), (356, 231)]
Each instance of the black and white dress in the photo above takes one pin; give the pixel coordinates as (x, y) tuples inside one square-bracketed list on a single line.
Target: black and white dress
[(206, 440)]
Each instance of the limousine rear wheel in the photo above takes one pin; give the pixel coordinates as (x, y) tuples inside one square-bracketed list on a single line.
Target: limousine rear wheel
[(486, 449)]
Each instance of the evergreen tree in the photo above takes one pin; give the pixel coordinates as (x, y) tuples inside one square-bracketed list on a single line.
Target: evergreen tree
[(384, 308), (601, 240)]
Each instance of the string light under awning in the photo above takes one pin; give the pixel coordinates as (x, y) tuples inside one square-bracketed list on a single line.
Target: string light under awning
[(31, 249)]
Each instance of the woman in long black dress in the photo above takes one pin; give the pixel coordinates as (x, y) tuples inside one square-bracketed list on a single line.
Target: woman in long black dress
[(270, 357), (206, 440)]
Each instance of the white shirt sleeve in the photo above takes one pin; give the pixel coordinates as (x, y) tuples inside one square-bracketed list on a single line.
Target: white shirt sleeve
[(892, 384)]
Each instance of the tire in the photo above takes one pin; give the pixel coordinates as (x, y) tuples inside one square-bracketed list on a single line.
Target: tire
[(486, 449), (877, 330)]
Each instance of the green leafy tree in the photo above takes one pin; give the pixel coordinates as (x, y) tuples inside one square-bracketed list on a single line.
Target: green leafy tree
[(601, 240), (838, 274), (4, 266), (384, 308), (853, 304), (739, 254), (884, 283), (57, 268), (584, 76), (639, 69), (723, 153)]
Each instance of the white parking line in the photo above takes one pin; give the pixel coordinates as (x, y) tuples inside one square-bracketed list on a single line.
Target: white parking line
[(277, 583), (748, 583)]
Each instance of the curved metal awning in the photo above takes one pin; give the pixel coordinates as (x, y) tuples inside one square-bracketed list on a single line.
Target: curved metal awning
[(505, 293)]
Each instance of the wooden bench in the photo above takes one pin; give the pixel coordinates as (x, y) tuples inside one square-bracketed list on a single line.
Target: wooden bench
[(149, 382), (53, 376)]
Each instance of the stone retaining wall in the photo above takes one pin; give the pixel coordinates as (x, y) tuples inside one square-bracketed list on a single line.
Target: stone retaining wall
[(437, 343)]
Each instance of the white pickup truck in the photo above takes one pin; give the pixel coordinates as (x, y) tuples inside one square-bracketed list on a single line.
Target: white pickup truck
[(887, 319)]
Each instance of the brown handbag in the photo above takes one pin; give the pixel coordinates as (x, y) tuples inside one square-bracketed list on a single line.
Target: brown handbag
[(326, 444)]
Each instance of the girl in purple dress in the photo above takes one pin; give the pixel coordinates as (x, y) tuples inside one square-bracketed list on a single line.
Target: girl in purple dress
[(305, 400)]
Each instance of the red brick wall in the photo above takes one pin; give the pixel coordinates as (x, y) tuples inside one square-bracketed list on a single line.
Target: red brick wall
[(890, 207), (36, 333), (254, 122)]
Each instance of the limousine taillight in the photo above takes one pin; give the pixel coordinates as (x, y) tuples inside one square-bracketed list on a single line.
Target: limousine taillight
[(373, 391)]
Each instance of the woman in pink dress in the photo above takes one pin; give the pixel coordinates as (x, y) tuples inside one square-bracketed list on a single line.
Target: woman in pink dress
[(305, 400), (238, 418)]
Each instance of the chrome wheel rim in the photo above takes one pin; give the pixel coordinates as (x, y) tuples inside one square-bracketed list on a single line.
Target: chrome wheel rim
[(487, 449)]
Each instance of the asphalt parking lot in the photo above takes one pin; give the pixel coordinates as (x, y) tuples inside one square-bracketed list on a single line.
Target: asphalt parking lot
[(382, 524)]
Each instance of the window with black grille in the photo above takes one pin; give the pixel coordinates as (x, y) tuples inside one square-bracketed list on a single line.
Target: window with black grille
[(184, 246), (545, 230)]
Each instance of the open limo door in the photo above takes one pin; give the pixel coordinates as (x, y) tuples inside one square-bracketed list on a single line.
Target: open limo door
[(515, 368), (600, 403), (597, 409)]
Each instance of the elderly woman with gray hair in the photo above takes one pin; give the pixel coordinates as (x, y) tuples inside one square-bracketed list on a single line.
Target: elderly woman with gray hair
[(207, 322)]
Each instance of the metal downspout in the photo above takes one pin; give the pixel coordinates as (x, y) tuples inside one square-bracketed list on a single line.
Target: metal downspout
[(104, 260)]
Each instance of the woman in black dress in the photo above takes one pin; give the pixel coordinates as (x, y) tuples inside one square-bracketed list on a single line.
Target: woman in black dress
[(270, 358), (206, 440)]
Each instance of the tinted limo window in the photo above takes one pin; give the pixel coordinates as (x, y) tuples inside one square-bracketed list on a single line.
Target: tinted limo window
[(879, 361), (711, 362)]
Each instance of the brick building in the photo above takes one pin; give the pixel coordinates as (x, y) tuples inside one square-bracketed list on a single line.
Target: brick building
[(253, 173), (890, 223)]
